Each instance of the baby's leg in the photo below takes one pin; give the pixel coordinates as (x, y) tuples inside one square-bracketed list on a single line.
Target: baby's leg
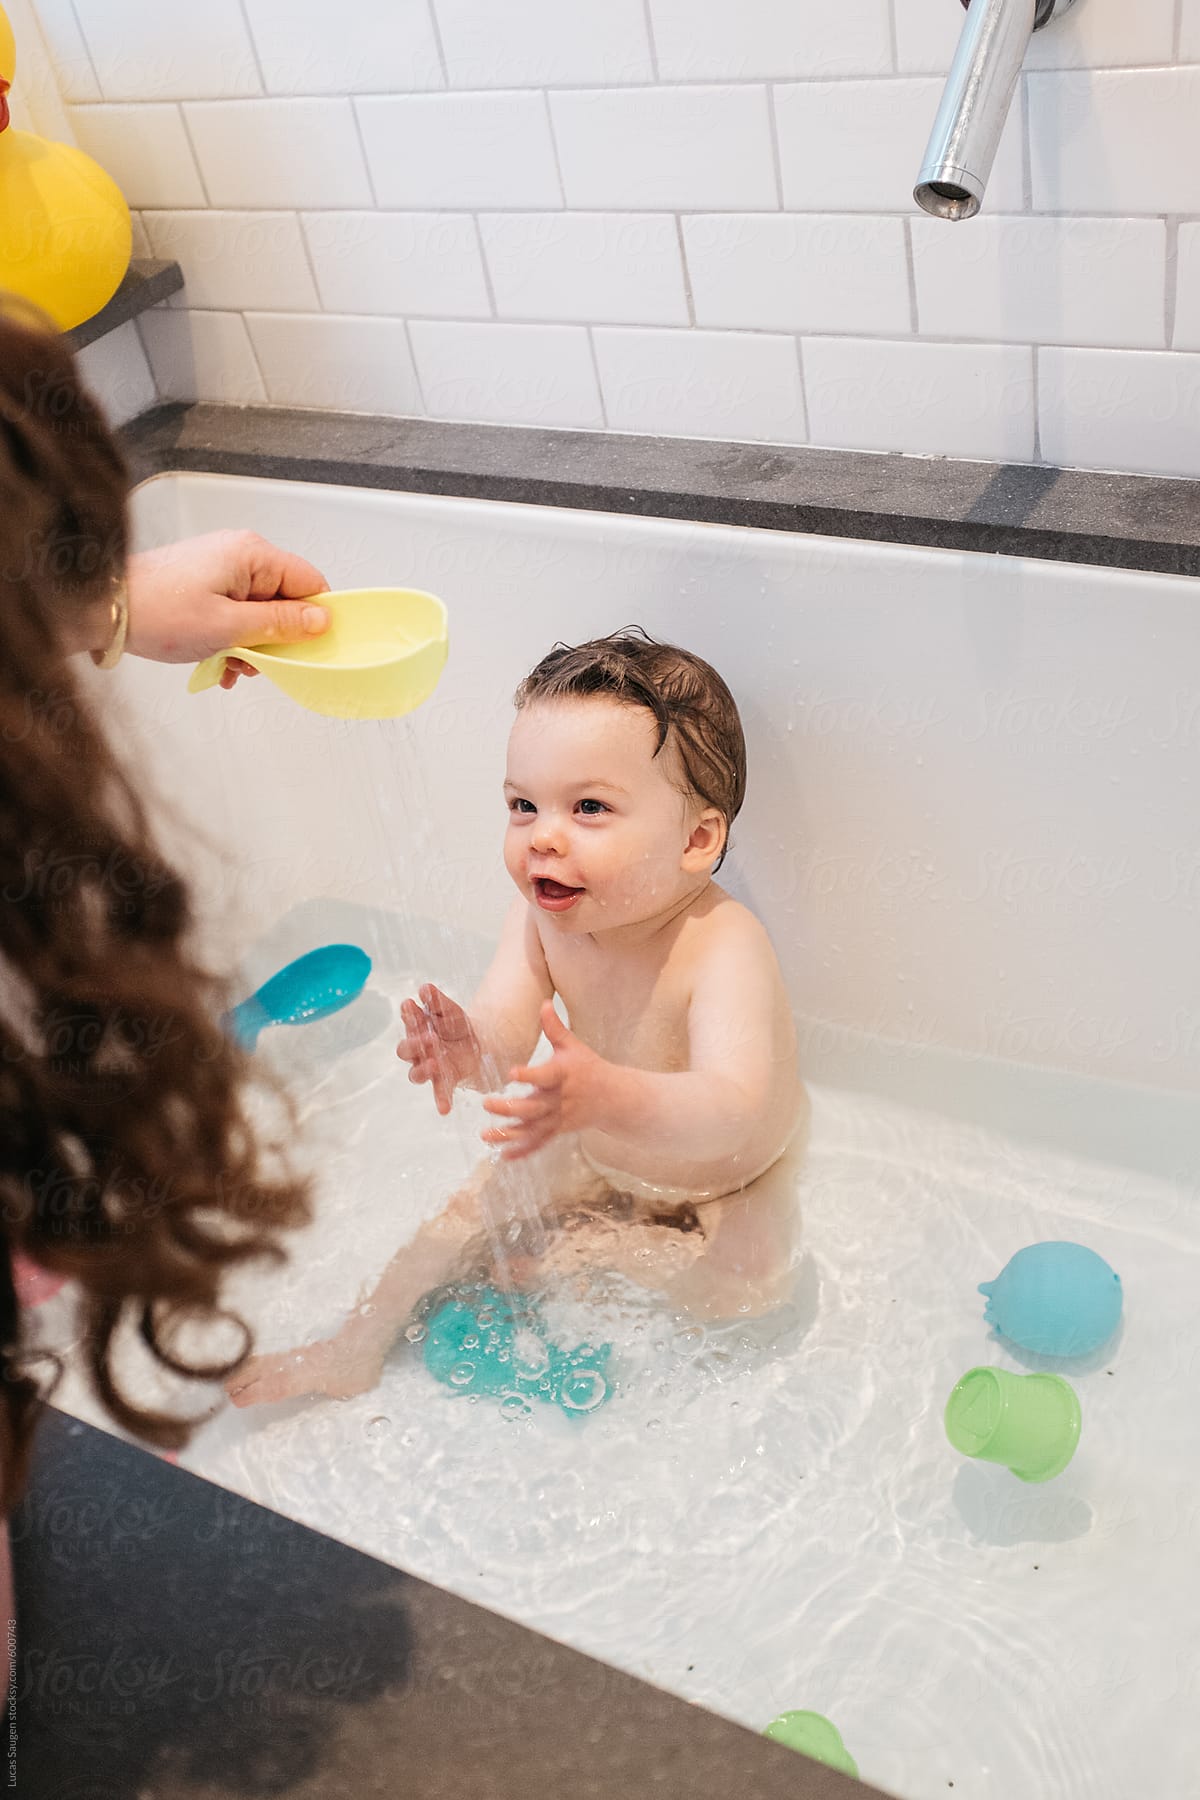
[(748, 1260), (351, 1361)]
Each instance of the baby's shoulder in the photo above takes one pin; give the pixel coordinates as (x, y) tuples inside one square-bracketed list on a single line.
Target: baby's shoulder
[(724, 921)]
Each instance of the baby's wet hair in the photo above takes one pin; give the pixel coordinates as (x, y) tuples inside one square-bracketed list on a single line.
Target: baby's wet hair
[(689, 701)]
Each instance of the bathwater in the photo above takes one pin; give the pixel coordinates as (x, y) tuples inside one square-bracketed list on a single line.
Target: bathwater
[(766, 1514)]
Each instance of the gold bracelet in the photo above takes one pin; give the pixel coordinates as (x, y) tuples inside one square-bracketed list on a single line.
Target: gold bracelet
[(109, 658)]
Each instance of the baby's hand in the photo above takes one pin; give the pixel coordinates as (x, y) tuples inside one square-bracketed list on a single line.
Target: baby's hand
[(441, 1044), (569, 1093)]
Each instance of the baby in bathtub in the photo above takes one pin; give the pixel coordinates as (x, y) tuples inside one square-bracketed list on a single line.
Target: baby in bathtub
[(666, 1125)]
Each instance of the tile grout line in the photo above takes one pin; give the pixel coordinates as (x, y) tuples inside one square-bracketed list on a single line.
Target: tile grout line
[(894, 37), (254, 356), (416, 369), (562, 186), (804, 406), (87, 48), (1026, 123), (891, 340), (661, 209), (1177, 39), (487, 271), (687, 273), (914, 321), (596, 372), (1171, 280), (650, 40), (362, 150), (435, 25), (262, 78), (308, 258), (1035, 350), (187, 132), (736, 83), (773, 128)]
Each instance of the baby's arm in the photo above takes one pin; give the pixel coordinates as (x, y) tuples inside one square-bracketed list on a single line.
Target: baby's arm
[(708, 1111), (506, 1009)]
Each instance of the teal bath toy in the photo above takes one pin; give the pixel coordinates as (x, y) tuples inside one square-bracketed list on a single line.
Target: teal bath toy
[(1056, 1299), (815, 1736), (312, 987), (497, 1345)]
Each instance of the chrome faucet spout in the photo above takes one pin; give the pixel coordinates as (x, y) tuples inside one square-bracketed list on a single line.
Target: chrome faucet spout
[(975, 104)]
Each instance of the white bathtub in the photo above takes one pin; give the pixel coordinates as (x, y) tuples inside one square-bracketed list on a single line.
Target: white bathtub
[(971, 831)]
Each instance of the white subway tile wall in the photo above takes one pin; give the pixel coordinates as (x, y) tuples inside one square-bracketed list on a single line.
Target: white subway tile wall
[(508, 374), (667, 216), (604, 268)]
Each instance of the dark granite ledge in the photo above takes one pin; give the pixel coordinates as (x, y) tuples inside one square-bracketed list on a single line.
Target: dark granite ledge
[(145, 285), (1120, 521), (176, 1640)]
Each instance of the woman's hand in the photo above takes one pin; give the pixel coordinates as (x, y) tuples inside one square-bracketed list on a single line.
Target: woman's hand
[(571, 1093), (202, 594), (440, 1044)]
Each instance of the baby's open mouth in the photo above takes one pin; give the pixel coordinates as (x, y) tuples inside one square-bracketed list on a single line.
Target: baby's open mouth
[(555, 895)]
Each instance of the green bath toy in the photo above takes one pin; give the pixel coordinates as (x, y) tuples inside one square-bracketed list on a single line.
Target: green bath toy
[(497, 1345), (1028, 1422), (814, 1736)]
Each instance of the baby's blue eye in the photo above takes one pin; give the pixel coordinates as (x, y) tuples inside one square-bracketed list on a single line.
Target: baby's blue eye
[(599, 804), (516, 805)]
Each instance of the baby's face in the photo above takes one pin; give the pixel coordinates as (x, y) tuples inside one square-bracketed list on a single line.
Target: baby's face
[(597, 828)]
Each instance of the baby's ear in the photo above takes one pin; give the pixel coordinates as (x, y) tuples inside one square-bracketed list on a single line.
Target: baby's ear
[(705, 842)]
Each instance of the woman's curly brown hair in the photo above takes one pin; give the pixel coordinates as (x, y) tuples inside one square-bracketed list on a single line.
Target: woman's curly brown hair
[(127, 1159)]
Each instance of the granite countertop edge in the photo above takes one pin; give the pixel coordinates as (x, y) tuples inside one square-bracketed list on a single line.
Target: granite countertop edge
[(1138, 522)]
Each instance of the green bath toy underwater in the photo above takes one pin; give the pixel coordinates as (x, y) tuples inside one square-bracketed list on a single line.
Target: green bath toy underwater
[(815, 1736), (497, 1345), (1030, 1423)]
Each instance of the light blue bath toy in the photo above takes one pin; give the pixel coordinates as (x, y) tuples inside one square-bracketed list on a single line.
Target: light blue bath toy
[(1056, 1299), (312, 987), (495, 1344)]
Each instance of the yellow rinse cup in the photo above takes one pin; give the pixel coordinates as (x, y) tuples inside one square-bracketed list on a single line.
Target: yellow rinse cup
[(1030, 1423), (381, 656)]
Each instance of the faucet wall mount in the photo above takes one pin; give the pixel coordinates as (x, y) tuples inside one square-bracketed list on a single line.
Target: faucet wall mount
[(978, 94)]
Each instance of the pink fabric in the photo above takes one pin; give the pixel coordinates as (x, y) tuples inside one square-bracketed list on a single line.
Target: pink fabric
[(32, 1283)]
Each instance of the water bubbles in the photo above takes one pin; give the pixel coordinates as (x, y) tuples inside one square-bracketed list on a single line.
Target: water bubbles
[(654, 1427), (462, 1374), (515, 1406), (471, 1342), (583, 1391), (378, 1427), (415, 1334)]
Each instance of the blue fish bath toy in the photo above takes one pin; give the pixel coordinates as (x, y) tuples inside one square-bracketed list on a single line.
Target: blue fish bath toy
[(312, 987), (494, 1344), (1056, 1299)]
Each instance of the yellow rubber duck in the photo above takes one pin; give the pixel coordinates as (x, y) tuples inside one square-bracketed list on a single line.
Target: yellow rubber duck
[(65, 232)]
